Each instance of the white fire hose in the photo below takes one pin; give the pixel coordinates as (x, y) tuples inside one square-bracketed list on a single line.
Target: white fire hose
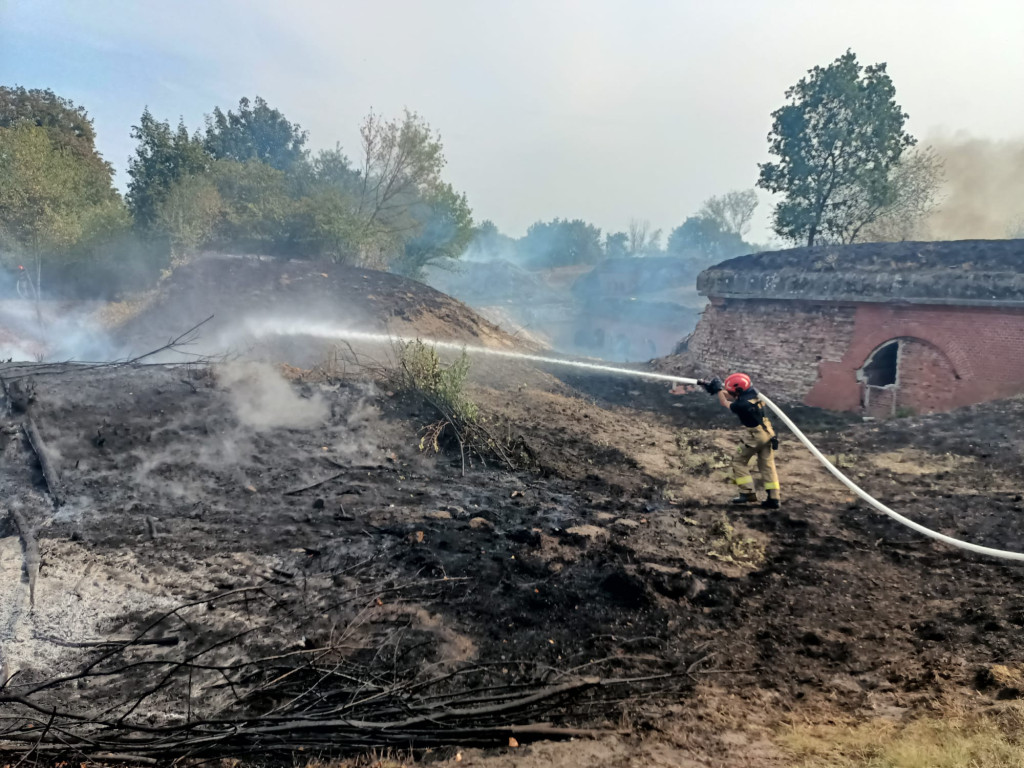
[(265, 327)]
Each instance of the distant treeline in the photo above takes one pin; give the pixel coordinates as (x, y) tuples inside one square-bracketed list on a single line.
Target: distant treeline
[(246, 182), (714, 233)]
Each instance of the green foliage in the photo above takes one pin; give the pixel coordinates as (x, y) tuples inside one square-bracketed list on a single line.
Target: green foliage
[(325, 225), (255, 132), (400, 175), (731, 212), (445, 231), (703, 238), (45, 200), (67, 127), (188, 214), (836, 144), (560, 243), (255, 206), (488, 244), (52, 214), (616, 246), (443, 385), (246, 184), (251, 186), (162, 157)]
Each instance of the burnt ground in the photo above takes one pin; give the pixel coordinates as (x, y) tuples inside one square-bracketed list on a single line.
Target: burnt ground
[(611, 553)]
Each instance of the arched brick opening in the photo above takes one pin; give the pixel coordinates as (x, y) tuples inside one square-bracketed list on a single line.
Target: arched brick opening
[(906, 375)]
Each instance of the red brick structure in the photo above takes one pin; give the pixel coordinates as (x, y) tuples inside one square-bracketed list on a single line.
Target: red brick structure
[(884, 328)]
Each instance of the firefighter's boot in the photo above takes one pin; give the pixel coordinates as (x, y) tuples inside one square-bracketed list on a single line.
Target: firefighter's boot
[(771, 503), (745, 498)]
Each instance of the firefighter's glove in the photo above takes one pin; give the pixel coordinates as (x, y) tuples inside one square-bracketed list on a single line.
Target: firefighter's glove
[(712, 386)]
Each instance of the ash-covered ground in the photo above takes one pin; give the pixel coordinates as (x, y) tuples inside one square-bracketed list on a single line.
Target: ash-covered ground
[(222, 513)]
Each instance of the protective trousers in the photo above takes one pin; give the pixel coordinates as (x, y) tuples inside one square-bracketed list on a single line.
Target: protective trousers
[(757, 442)]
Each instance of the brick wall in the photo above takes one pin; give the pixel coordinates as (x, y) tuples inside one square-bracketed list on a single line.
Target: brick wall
[(949, 356), (779, 343)]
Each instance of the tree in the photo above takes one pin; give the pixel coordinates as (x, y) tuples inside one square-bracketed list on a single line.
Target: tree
[(704, 238), (732, 211), (189, 213), (41, 191), (446, 229), (561, 243), (914, 184), (616, 246), (255, 206), (489, 244), (67, 127), (161, 158), (255, 132), (48, 198), (836, 142), (641, 241), (325, 225), (401, 164)]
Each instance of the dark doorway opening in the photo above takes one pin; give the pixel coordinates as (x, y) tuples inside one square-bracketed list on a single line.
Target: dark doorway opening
[(880, 370)]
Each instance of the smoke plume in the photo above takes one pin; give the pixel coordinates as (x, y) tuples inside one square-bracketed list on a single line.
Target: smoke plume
[(983, 193), (262, 399)]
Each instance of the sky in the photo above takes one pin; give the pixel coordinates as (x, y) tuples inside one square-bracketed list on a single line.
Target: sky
[(606, 110)]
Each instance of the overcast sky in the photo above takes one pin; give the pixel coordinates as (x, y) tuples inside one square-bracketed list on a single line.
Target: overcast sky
[(599, 109)]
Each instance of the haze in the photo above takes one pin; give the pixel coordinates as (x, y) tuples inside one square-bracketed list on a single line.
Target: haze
[(601, 110)]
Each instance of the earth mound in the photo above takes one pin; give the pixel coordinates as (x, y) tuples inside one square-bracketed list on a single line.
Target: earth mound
[(246, 294)]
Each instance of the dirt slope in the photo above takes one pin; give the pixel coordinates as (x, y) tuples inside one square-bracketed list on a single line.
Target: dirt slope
[(236, 289)]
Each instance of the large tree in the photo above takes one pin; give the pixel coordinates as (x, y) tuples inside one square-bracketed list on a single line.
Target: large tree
[(162, 157), (641, 240), (255, 132), (68, 128), (731, 212), (445, 232), (561, 243), (703, 239), (50, 207), (837, 142), (402, 160)]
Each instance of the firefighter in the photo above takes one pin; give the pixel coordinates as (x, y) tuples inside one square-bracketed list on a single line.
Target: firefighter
[(738, 395)]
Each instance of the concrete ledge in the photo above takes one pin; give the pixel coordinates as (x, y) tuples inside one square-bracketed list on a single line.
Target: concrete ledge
[(971, 289), (973, 273)]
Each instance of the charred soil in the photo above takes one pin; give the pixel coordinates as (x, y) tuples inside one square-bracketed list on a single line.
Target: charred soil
[(611, 555)]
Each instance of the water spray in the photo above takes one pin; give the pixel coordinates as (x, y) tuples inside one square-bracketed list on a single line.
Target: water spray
[(263, 328)]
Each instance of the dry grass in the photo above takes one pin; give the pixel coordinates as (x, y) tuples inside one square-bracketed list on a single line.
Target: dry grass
[(374, 759), (729, 545), (116, 313), (980, 740), (910, 461)]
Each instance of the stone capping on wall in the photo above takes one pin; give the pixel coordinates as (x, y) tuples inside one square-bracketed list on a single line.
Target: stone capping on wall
[(916, 286)]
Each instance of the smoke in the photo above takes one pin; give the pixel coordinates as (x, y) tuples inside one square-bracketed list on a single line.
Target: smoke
[(983, 193), (50, 330), (262, 399)]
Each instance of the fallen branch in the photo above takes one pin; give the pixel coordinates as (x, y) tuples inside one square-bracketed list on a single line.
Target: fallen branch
[(244, 693), (71, 366), (30, 553), (317, 484), (169, 640), (50, 475)]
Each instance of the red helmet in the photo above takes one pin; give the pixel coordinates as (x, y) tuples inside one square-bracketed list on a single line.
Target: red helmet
[(736, 383)]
